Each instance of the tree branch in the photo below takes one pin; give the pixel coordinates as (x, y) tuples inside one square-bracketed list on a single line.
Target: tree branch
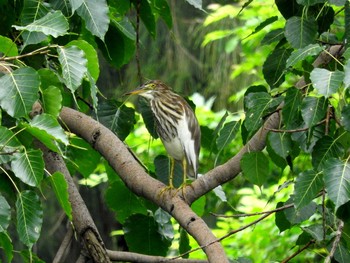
[(82, 221), (336, 242), (135, 257), (139, 182)]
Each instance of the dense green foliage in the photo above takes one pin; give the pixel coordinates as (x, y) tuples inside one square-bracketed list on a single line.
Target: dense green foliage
[(50, 55)]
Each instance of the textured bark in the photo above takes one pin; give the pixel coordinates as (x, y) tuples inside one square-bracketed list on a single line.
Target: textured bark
[(82, 221)]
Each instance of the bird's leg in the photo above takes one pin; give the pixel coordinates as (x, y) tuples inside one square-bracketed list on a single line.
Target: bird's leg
[(171, 173), (171, 177), (183, 185)]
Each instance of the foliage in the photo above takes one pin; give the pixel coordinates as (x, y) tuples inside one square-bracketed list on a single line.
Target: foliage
[(50, 60)]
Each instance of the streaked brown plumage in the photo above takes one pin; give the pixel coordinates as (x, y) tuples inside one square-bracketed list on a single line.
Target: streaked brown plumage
[(176, 125)]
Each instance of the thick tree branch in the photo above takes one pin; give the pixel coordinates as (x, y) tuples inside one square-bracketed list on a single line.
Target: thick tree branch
[(136, 179), (82, 221)]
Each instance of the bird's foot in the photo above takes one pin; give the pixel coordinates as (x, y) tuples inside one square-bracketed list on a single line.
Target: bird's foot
[(166, 189)]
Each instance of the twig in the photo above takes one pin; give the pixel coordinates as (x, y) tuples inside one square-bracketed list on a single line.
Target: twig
[(336, 242), (64, 247), (135, 257), (296, 130), (257, 213), (298, 251), (39, 51), (265, 215), (137, 55)]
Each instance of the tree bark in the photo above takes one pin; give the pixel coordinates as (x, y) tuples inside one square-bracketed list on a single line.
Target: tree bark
[(82, 221)]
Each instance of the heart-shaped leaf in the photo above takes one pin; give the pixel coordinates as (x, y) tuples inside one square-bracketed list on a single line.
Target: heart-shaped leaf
[(301, 31), (73, 63), (255, 167), (18, 91), (308, 184), (326, 82), (95, 15), (54, 24), (29, 217), (337, 181), (29, 166)]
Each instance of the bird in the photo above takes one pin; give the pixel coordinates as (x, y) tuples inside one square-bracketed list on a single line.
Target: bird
[(176, 125)]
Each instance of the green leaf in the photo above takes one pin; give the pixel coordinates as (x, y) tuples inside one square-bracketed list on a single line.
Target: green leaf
[(313, 110), (301, 54), (184, 242), (325, 148), (227, 134), (196, 3), (280, 143), (288, 8), (345, 117), (297, 216), (310, 2), (316, 231), (118, 56), (255, 167), (198, 206), (291, 108), (216, 35), (8, 144), (60, 188), (45, 127), (342, 254), (122, 23), (5, 214), (75, 4), (54, 24), (52, 100), (32, 11), (301, 31), (275, 65), (347, 74), (326, 82), (27, 256), (29, 217), (6, 244), (142, 236), (264, 24), (123, 202), (273, 36), (162, 8), (7, 47), (29, 167), (73, 63), (148, 118), (18, 91), (49, 78), (280, 219), (307, 185), (258, 105), (165, 227), (78, 152), (147, 16), (95, 15), (337, 181), (162, 170), (117, 117), (91, 56)]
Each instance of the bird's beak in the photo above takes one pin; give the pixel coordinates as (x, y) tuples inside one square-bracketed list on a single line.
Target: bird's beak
[(136, 91)]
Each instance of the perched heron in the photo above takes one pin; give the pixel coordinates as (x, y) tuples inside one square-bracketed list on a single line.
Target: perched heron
[(176, 125)]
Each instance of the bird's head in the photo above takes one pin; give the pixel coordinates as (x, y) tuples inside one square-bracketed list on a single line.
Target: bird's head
[(150, 89)]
